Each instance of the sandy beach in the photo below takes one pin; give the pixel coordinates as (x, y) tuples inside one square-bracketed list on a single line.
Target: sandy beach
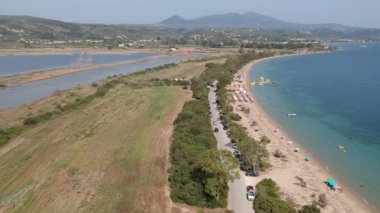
[(301, 182)]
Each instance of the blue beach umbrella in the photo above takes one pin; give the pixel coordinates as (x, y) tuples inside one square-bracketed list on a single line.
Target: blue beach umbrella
[(332, 183)]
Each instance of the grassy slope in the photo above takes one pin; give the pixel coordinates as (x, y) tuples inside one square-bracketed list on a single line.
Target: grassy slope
[(104, 157)]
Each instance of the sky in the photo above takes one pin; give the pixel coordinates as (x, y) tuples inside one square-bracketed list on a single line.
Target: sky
[(362, 13)]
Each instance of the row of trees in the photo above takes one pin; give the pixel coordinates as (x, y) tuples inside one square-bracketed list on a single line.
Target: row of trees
[(200, 173), (197, 175)]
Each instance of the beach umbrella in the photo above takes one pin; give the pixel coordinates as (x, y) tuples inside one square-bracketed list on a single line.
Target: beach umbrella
[(332, 183)]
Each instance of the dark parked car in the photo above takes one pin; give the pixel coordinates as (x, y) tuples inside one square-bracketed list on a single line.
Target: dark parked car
[(252, 173), (216, 130), (237, 153), (245, 167)]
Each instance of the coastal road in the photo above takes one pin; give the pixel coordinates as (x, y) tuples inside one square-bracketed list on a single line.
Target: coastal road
[(237, 200)]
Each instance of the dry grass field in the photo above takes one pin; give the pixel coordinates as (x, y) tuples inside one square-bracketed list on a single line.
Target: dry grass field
[(108, 156)]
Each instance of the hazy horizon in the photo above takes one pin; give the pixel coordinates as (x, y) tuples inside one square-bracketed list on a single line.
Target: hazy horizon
[(347, 12)]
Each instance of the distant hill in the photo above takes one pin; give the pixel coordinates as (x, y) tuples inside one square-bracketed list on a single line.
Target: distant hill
[(23, 30), (246, 20), (27, 27)]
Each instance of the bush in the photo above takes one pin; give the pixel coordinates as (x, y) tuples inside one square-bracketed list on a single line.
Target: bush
[(265, 140), (235, 117), (322, 201), (8, 133), (185, 87), (277, 154), (268, 199), (100, 92), (31, 121), (302, 182), (310, 209)]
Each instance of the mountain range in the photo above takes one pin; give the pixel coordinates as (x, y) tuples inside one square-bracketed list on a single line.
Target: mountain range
[(246, 20)]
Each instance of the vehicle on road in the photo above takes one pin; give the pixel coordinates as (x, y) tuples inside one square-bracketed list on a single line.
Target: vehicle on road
[(237, 153), (252, 173), (245, 167), (214, 123), (234, 146), (216, 130), (250, 195), (249, 188)]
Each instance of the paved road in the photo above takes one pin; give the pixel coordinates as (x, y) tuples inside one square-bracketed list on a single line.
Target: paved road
[(237, 200)]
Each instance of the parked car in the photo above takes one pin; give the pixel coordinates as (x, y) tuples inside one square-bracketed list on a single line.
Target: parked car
[(249, 188), (216, 130), (250, 195), (245, 166), (237, 153), (214, 123), (234, 146), (252, 173)]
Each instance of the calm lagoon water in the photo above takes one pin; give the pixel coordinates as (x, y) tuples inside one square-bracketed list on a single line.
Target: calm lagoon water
[(15, 95), (336, 97), (18, 64)]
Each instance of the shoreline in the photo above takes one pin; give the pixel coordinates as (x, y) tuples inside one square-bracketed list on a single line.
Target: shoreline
[(348, 200)]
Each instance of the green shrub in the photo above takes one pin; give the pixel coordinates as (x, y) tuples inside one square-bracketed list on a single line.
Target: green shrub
[(31, 121), (100, 92), (310, 209), (8, 133), (235, 117), (268, 199), (265, 140)]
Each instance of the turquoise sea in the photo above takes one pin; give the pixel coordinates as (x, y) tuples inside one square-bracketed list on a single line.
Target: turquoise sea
[(336, 97)]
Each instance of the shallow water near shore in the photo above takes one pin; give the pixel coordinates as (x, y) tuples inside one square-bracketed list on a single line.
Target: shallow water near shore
[(336, 99)]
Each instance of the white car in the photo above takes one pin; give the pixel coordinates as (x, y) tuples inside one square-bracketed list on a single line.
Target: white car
[(250, 195), (214, 122)]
